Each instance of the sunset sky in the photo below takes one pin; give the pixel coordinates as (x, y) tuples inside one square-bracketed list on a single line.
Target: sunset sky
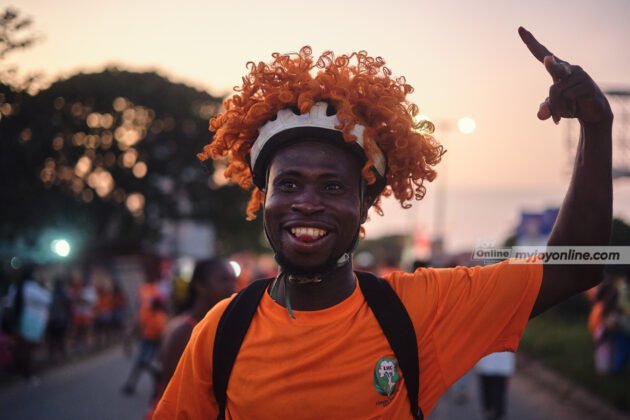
[(463, 58)]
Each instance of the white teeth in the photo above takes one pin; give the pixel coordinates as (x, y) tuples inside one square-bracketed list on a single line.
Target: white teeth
[(312, 232)]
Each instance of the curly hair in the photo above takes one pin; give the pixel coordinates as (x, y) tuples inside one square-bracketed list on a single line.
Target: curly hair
[(361, 89)]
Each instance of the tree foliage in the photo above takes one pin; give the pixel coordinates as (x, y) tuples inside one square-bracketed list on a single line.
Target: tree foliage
[(112, 155), (15, 32)]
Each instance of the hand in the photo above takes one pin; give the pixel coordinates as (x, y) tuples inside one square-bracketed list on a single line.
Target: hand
[(573, 93)]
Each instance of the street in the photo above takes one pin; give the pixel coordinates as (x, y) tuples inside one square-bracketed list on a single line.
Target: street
[(90, 389), (526, 401)]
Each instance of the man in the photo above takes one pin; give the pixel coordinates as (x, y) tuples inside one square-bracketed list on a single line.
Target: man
[(151, 324), (30, 302), (319, 138), (212, 280), (494, 372)]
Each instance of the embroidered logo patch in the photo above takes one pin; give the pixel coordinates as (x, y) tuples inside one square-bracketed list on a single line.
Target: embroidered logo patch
[(386, 376)]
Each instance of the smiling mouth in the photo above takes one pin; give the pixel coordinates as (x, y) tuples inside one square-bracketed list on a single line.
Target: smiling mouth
[(307, 234)]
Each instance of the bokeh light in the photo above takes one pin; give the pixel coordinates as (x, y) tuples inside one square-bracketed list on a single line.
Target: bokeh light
[(61, 247), (16, 263), (236, 267), (139, 170), (135, 203), (466, 125)]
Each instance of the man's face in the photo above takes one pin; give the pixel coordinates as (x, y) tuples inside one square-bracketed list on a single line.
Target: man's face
[(218, 284), (312, 210)]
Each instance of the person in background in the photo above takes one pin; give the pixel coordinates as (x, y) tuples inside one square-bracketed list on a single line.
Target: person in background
[(58, 321), (83, 297), (609, 324), (103, 312), (617, 324), (494, 372), (212, 280), (151, 325), (148, 291), (30, 301), (120, 308), (602, 306)]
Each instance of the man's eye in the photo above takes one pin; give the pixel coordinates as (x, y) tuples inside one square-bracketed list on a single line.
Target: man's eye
[(334, 186), (288, 185)]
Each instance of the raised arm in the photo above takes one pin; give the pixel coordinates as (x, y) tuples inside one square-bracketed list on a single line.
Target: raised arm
[(586, 213)]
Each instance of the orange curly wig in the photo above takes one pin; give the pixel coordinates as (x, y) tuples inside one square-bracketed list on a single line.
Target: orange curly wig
[(359, 87)]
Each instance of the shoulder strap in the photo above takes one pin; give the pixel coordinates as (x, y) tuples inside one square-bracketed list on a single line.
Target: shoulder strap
[(231, 331), (398, 328), (380, 297)]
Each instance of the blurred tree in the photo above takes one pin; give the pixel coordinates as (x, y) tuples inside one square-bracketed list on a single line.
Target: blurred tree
[(16, 33), (112, 155)]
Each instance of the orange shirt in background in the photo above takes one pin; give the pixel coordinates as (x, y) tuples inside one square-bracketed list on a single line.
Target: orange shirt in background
[(333, 363), (146, 293), (596, 318), (152, 323), (104, 303)]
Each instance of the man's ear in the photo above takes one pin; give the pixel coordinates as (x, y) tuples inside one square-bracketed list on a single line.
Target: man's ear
[(368, 200)]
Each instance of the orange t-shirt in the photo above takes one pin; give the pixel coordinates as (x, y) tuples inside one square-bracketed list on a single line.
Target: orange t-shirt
[(104, 303), (334, 363), (152, 324), (147, 292), (596, 318)]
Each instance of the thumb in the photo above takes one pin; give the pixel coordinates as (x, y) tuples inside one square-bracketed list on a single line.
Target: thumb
[(544, 111)]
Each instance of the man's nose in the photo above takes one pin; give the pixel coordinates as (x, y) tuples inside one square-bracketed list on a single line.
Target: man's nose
[(308, 202)]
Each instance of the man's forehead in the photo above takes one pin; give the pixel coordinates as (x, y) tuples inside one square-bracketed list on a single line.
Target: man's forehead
[(315, 153)]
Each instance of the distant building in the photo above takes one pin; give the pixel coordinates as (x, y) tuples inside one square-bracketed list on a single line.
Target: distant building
[(187, 238)]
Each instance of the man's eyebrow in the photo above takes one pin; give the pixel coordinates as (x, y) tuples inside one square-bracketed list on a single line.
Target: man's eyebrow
[(297, 172), (288, 172)]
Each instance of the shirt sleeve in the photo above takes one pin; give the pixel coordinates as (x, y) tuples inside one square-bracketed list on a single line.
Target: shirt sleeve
[(189, 394), (482, 310), (465, 313)]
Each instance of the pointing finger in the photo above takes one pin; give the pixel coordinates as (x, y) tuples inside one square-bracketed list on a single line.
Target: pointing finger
[(536, 48)]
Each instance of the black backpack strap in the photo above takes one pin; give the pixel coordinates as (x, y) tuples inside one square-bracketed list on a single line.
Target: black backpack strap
[(398, 329), (231, 331)]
